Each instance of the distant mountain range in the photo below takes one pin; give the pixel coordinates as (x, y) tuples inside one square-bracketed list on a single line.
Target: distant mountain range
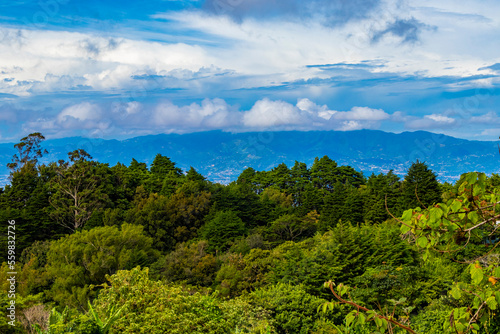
[(221, 156)]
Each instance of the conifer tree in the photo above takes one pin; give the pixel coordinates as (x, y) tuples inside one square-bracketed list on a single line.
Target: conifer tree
[(300, 179), (422, 182)]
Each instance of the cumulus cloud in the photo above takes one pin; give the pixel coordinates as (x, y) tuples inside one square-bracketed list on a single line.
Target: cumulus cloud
[(210, 114), (307, 115), (141, 118), (440, 118), (312, 108), (55, 61), (362, 114), (267, 113), (84, 115), (83, 112), (432, 121), (488, 118)]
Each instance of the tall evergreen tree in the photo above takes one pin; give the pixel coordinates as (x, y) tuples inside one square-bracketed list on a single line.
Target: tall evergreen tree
[(280, 176), (422, 182), (301, 177), (324, 173), (162, 165), (353, 208), (162, 168), (379, 187), (333, 209)]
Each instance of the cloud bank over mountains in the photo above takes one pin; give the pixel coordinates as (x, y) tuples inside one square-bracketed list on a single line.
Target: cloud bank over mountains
[(124, 119)]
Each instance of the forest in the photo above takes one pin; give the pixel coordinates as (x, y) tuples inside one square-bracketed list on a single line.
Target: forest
[(296, 249)]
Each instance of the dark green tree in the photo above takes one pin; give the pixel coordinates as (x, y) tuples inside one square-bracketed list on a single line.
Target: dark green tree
[(300, 178), (241, 199), (353, 207), (422, 182), (162, 165), (164, 176), (324, 173), (333, 210), (292, 228), (25, 199), (349, 176), (378, 188), (280, 177), (223, 229), (193, 175)]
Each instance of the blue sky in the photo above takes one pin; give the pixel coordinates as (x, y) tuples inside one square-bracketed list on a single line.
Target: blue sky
[(118, 69)]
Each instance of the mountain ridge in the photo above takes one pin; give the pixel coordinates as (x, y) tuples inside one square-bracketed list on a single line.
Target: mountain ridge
[(221, 156)]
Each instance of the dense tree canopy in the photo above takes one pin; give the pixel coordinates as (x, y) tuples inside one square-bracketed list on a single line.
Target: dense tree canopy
[(252, 256)]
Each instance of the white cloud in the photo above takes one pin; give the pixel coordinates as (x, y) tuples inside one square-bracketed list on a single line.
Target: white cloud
[(52, 61), (267, 113), (311, 107), (350, 126), (440, 118), (84, 115), (362, 114), (210, 114), (262, 53), (492, 134), (432, 121), (136, 118), (83, 112), (488, 118)]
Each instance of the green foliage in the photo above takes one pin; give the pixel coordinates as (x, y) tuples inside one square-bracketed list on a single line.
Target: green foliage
[(28, 152), (57, 323), (77, 190), (25, 201), (379, 190), (378, 286), (334, 206), (32, 278), (154, 307), (190, 263), (431, 319), (91, 255), (292, 308), (270, 240), (240, 273), (170, 220), (365, 320), (111, 315), (240, 199), (420, 186), (466, 217), (22, 303), (223, 229), (163, 175), (343, 253), (292, 228)]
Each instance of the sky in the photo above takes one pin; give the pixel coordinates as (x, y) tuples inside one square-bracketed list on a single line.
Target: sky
[(122, 68)]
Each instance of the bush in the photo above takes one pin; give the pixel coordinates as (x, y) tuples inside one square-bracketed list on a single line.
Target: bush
[(293, 309), (155, 307), (85, 258)]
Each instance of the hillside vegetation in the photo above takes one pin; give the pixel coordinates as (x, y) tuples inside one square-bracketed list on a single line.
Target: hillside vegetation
[(297, 249)]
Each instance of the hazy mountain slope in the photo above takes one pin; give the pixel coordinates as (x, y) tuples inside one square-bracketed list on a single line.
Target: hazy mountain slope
[(221, 156)]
